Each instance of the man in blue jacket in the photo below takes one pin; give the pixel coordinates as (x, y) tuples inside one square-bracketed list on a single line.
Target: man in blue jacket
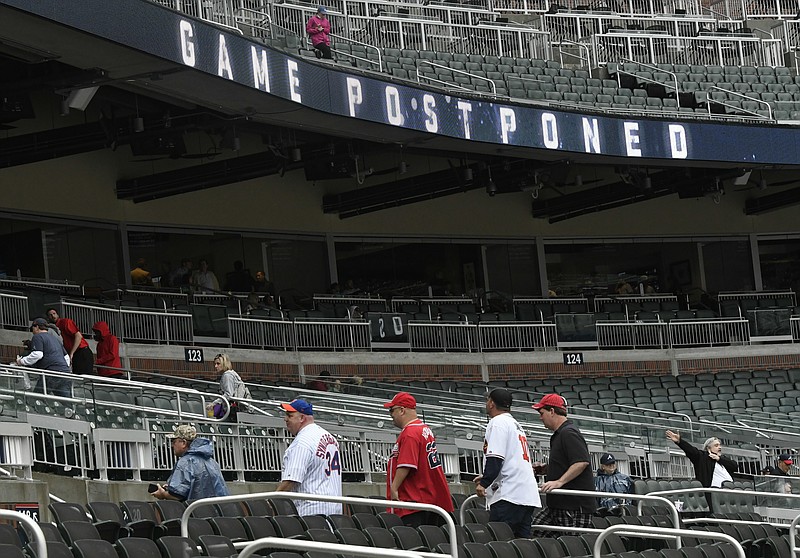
[(609, 479), (196, 474)]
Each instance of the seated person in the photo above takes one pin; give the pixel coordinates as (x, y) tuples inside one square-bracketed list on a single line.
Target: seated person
[(609, 479)]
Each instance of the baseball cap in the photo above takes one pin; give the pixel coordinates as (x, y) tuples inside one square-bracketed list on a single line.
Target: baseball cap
[(786, 458), (298, 406), (607, 459), (184, 432), (322, 10), (501, 397), (551, 400), (402, 399), (39, 322)]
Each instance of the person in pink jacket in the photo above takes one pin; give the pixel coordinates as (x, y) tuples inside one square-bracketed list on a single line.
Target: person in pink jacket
[(319, 29)]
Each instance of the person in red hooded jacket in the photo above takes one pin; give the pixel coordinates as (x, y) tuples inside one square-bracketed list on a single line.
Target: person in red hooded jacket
[(108, 362)]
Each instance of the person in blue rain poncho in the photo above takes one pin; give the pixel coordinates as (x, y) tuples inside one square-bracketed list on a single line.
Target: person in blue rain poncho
[(196, 474)]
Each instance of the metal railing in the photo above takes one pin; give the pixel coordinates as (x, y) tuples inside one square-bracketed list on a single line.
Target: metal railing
[(160, 326), (445, 337), (300, 333), (766, 9), (22, 283), (624, 7), (366, 60), (655, 48), (98, 430), (633, 335), (553, 303), (273, 334), (675, 333), (638, 300), (85, 315), (467, 336), (711, 100), (16, 441), (32, 528), (254, 23), (315, 548), (789, 31), (709, 333), (517, 336), (675, 90), (432, 302), (794, 325), (423, 32), (640, 498), (793, 552), (155, 298), (331, 334), (448, 520), (421, 76), (220, 13), (759, 497), (170, 326), (643, 531), (449, 13), (757, 296), (362, 302), (580, 26), (220, 299), (582, 55), (14, 311)]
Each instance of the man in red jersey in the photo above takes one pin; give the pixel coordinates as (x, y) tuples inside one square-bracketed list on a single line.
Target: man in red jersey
[(415, 472), (80, 355)]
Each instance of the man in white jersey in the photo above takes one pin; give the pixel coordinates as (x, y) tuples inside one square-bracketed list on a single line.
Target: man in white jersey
[(508, 482), (312, 463)]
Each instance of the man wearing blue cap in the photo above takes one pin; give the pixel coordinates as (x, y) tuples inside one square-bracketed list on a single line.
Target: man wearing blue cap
[(319, 30), (312, 463), (610, 479), (47, 353)]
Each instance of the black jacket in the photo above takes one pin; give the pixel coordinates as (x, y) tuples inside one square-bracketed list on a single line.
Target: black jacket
[(703, 464)]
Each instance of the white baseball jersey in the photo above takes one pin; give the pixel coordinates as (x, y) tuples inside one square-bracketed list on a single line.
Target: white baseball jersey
[(516, 482), (313, 461)]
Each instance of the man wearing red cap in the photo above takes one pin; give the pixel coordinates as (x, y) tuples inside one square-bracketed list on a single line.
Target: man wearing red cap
[(568, 468), (312, 463), (785, 463), (415, 472)]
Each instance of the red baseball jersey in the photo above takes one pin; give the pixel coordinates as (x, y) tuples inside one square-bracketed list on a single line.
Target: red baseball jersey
[(416, 449)]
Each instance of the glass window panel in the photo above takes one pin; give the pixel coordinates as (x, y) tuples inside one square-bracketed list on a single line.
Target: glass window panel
[(410, 268), (780, 264)]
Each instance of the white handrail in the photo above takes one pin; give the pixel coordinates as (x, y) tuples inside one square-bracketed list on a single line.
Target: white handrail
[(642, 530), (710, 100), (793, 550), (38, 535), (451, 526), (330, 548), (435, 65), (563, 491)]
